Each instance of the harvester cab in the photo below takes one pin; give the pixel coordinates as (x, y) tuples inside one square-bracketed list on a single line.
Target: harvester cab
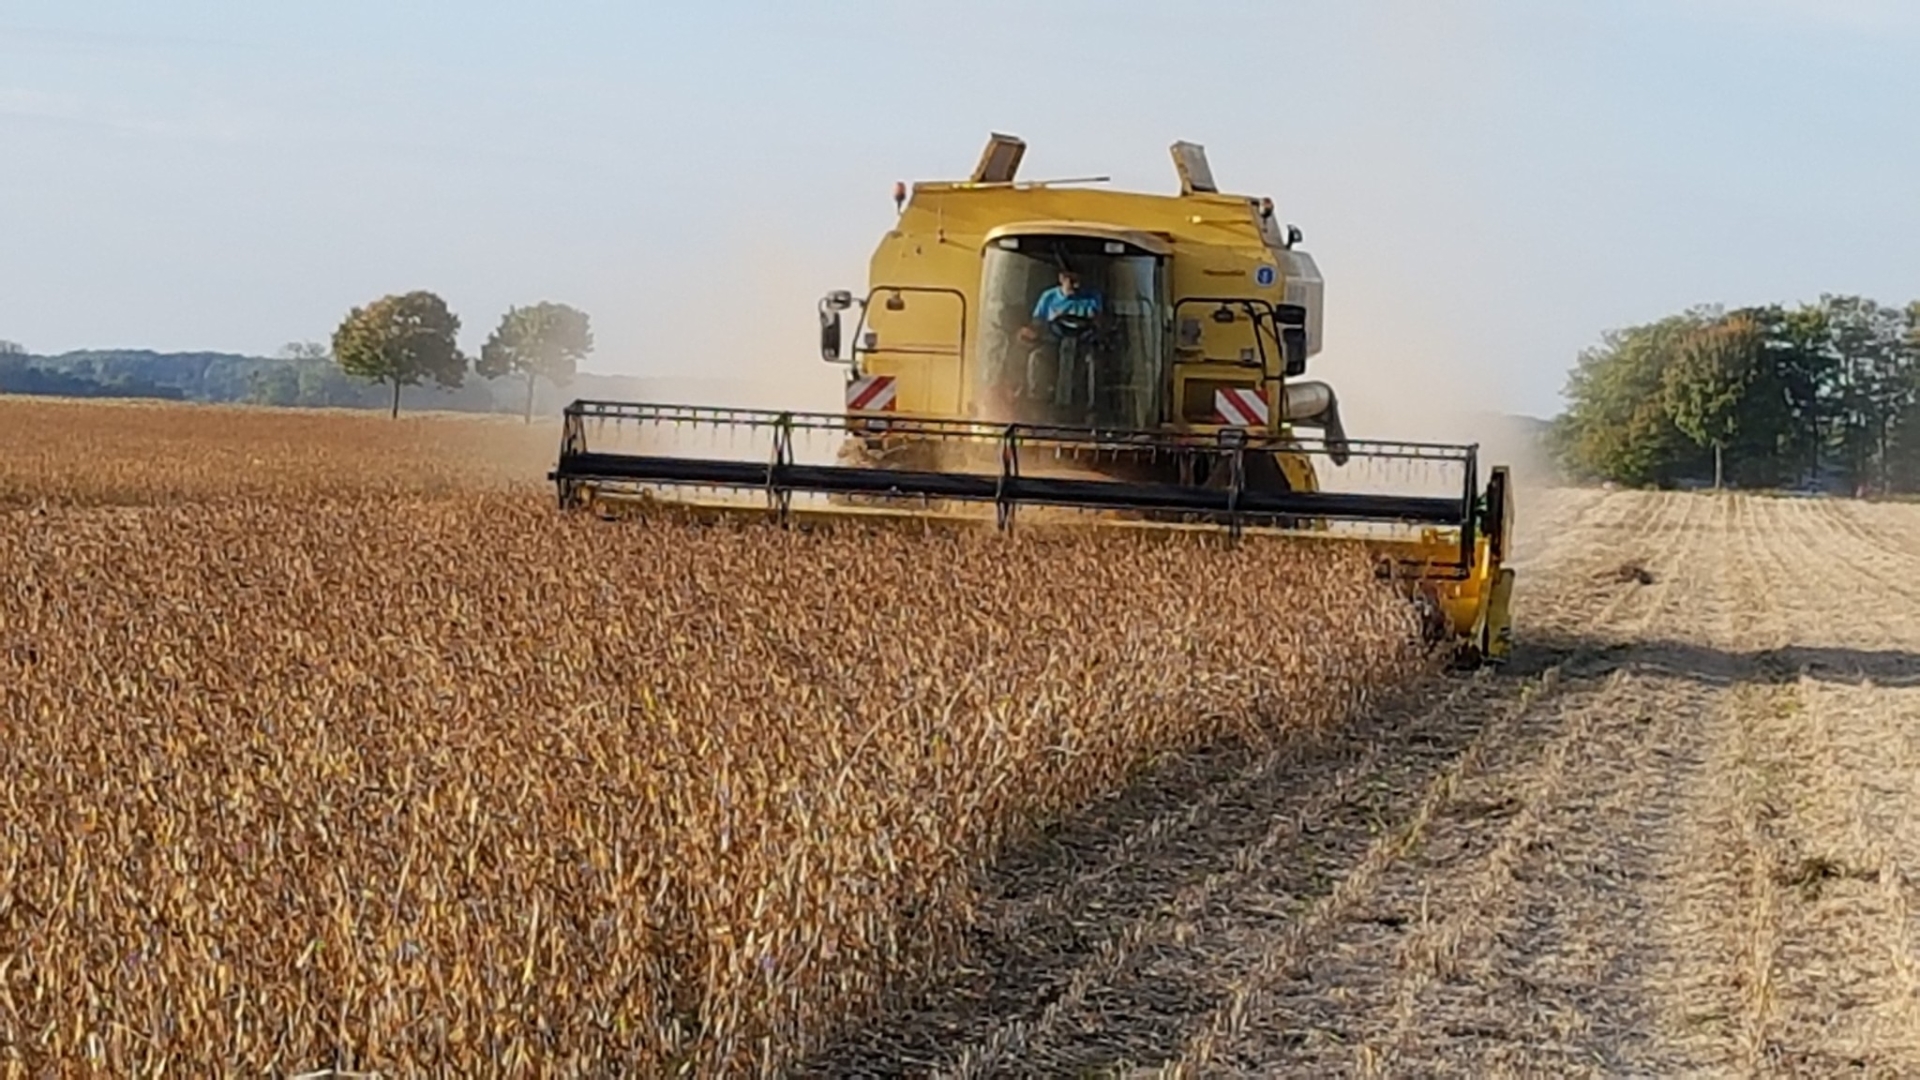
[(1137, 359)]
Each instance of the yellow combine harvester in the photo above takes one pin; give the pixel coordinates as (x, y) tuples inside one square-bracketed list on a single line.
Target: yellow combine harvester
[(1135, 359)]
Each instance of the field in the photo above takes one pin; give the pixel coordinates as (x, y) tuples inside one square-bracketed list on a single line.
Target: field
[(332, 742), (1681, 837), (329, 743)]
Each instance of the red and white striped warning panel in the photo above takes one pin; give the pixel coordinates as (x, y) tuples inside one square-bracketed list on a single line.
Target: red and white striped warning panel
[(870, 393), (1240, 407)]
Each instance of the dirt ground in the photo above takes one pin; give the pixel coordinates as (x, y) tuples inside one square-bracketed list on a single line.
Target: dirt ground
[(1679, 835)]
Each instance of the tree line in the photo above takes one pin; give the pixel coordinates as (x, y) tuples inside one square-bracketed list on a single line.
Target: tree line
[(406, 339), (1820, 395), (392, 344)]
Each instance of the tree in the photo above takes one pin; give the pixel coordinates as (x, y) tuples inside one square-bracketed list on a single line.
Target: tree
[(12, 348), (1709, 382), (401, 340), (1800, 364), (1872, 384), (543, 341), (278, 385), (1903, 454), (1617, 425), (304, 350)]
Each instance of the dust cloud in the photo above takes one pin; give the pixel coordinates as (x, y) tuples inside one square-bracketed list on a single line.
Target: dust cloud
[(1381, 400), (752, 344), (758, 338), (1405, 371)]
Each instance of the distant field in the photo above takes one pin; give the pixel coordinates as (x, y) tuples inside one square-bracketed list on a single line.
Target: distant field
[(139, 453), (330, 741)]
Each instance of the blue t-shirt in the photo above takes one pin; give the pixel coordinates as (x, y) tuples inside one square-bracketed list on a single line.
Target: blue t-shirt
[(1054, 302)]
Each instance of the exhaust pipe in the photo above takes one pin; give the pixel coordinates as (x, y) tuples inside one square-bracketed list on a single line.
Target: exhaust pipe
[(1315, 405)]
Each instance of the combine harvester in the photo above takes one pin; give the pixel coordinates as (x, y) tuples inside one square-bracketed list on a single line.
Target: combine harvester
[(1051, 350)]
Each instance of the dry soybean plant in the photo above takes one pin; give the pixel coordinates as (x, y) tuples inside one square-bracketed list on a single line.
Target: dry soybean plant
[(459, 785), (134, 453)]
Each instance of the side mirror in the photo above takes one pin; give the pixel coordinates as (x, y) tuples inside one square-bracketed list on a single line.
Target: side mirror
[(1289, 315), (1293, 236), (1293, 346), (829, 334)]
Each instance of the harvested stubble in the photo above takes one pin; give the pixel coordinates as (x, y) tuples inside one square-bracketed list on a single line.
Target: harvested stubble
[(456, 785), (134, 453)]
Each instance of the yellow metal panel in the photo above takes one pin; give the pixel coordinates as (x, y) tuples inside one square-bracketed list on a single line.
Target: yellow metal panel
[(1144, 241), (1217, 244), (1497, 642), (1298, 469)]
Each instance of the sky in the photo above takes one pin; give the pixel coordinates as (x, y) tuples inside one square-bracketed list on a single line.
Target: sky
[(1488, 185)]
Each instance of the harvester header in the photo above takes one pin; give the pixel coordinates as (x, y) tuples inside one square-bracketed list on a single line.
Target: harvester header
[(1137, 359)]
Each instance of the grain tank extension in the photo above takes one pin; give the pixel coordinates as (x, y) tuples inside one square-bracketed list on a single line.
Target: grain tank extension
[(1063, 353)]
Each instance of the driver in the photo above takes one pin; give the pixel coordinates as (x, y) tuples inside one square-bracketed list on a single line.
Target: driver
[(1062, 299)]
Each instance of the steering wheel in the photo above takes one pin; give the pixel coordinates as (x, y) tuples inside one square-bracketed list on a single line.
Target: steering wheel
[(1072, 325)]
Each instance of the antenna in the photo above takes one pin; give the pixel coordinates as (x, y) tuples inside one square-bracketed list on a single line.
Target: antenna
[(1027, 184)]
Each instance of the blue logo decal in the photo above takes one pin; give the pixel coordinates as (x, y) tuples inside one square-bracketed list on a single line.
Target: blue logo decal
[(1263, 277)]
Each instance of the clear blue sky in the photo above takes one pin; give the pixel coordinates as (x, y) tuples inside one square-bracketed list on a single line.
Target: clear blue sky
[(1487, 185)]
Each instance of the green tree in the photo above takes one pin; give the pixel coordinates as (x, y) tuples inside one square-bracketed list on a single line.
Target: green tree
[(544, 341), (1800, 363), (1709, 383), (12, 348), (1903, 453), (1875, 383), (1617, 425), (401, 340)]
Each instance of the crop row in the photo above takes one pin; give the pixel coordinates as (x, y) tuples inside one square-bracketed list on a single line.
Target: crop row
[(461, 785)]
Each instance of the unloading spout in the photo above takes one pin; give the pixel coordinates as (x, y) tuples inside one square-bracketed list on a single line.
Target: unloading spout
[(1315, 404)]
